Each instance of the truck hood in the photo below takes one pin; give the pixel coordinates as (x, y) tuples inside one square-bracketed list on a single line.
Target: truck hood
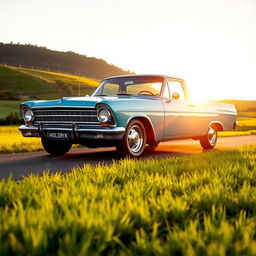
[(89, 102), (66, 102)]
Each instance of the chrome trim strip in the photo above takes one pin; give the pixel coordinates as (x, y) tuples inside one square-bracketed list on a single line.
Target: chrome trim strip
[(68, 115), (28, 128), (141, 111), (78, 107), (177, 113), (103, 130), (225, 110), (76, 129), (55, 129), (190, 114), (64, 110), (67, 122)]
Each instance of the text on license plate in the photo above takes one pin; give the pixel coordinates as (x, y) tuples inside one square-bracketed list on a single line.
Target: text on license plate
[(58, 135)]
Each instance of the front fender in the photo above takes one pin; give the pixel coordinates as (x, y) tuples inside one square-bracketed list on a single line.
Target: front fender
[(150, 129), (138, 116)]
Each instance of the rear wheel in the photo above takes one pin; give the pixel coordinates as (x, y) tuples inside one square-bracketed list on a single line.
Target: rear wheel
[(210, 139), (56, 148), (134, 140)]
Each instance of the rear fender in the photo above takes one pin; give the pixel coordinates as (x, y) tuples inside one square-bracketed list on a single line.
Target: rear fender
[(219, 125)]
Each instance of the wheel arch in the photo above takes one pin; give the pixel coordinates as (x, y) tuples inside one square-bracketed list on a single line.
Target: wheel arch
[(217, 124), (150, 132)]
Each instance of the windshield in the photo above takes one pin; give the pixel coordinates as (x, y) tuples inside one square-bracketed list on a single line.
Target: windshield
[(135, 85)]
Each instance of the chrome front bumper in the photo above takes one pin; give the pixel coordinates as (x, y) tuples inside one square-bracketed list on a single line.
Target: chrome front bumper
[(75, 132)]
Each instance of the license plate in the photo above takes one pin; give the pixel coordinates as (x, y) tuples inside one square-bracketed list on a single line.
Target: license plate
[(58, 135)]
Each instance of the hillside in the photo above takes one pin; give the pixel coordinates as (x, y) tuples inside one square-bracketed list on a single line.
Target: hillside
[(30, 56), (22, 84), (14, 85)]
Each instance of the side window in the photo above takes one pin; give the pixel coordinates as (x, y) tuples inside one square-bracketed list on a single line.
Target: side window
[(175, 86), (110, 89)]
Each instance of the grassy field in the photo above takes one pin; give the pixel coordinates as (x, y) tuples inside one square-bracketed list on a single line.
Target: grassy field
[(8, 106), (87, 85), (177, 206), (18, 83), (40, 84), (51, 77), (246, 125), (11, 141), (37, 84)]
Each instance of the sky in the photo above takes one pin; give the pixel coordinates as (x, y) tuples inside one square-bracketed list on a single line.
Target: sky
[(209, 43)]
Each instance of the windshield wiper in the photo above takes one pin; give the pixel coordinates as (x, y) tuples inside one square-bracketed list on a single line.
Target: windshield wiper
[(123, 94)]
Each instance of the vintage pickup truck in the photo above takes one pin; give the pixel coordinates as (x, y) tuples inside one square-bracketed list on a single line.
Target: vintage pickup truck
[(129, 112)]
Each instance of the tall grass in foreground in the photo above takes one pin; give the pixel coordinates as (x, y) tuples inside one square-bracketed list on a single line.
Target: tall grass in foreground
[(195, 205)]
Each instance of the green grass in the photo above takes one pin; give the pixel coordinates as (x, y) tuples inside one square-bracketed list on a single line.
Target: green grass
[(87, 85), (7, 106), (51, 77), (39, 84), (195, 205), (18, 83)]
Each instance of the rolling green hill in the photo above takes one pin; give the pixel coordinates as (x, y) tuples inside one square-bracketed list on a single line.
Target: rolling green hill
[(21, 84), (14, 84)]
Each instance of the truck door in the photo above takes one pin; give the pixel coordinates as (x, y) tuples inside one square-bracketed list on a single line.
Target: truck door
[(179, 114)]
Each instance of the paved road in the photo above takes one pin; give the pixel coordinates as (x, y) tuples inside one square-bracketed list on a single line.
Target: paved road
[(22, 164)]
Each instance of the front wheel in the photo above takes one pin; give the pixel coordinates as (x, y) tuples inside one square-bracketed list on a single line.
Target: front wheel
[(134, 140), (153, 145), (210, 139), (56, 148)]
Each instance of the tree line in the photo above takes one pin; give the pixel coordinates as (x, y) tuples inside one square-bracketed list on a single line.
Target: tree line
[(32, 56)]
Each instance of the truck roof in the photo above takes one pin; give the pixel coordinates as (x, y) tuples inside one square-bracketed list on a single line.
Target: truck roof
[(138, 75)]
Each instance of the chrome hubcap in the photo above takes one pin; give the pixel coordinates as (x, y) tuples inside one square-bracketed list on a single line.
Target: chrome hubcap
[(135, 139), (212, 136)]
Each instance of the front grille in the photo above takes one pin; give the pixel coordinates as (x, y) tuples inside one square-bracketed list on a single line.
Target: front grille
[(66, 115)]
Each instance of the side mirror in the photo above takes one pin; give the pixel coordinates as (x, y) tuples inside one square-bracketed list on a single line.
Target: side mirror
[(176, 95)]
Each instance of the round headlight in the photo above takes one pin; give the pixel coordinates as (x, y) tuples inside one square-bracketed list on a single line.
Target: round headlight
[(104, 116), (28, 115)]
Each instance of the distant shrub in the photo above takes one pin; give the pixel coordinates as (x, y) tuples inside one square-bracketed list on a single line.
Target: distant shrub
[(12, 119), (65, 88), (8, 96), (252, 109)]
